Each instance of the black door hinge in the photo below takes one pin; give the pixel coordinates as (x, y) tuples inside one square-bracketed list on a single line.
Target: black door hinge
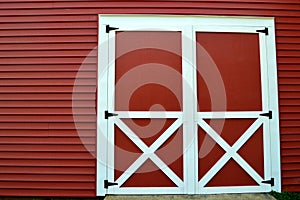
[(268, 114), (107, 184), (109, 28), (265, 31), (271, 182), (108, 114)]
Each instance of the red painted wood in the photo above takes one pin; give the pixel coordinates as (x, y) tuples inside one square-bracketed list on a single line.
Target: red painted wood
[(48, 25), (210, 152), (237, 63), (43, 104), (166, 53), (154, 176), (126, 152), (59, 156)]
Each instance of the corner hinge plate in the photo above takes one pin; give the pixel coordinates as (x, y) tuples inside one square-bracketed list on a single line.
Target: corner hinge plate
[(268, 114), (109, 28), (271, 182), (108, 114), (107, 184), (265, 31)]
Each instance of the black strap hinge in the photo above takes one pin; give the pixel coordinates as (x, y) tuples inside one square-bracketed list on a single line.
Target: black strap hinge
[(271, 182), (108, 114), (268, 114), (265, 31), (107, 184), (109, 28)]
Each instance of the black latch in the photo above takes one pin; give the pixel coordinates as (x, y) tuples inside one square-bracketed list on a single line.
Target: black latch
[(107, 184), (268, 114), (265, 31), (108, 114), (109, 28), (271, 182)]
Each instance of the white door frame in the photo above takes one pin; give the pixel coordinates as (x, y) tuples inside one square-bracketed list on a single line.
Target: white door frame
[(187, 25)]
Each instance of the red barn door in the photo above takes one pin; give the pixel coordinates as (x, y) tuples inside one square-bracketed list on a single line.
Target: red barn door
[(145, 90), (185, 107), (233, 134)]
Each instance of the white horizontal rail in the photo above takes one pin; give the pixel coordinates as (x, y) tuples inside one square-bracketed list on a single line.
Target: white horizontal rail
[(148, 114), (238, 114)]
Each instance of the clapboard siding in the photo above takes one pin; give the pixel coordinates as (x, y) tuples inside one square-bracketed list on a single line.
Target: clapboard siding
[(44, 121), (43, 44)]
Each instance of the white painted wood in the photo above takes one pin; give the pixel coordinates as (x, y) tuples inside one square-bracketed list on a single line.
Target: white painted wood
[(189, 20), (247, 135), (273, 103), (148, 114), (132, 136), (265, 105), (264, 71), (213, 134), (230, 29), (229, 115), (101, 107), (137, 141), (110, 106), (166, 135), (247, 168), (152, 26), (213, 171), (128, 173), (189, 109), (189, 116), (166, 170), (267, 147), (148, 152), (231, 152)]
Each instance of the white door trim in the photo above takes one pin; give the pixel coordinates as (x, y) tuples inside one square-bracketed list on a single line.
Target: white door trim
[(187, 25)]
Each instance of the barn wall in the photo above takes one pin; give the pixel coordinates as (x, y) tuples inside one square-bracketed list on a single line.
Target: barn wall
[(43, 44)]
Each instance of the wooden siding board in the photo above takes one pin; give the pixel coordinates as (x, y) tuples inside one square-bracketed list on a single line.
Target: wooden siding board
[(87, 166), (48, 192), (44, 170), (43, 104), (46, 82), (42, 46), (58, 156), (45, 53), (46, 118), (48, 25), (56, 18), (153, 10), (151, 4), (49, 32), (52, 46), (38, 96), (46, 141), (47, 133), (49, 177)]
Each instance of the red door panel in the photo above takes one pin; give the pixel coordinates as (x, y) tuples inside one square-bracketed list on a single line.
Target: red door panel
[(148, 75), (236, 56)]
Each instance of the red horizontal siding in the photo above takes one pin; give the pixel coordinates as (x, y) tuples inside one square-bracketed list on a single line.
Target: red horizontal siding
[(41, 152), (42, 46)]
